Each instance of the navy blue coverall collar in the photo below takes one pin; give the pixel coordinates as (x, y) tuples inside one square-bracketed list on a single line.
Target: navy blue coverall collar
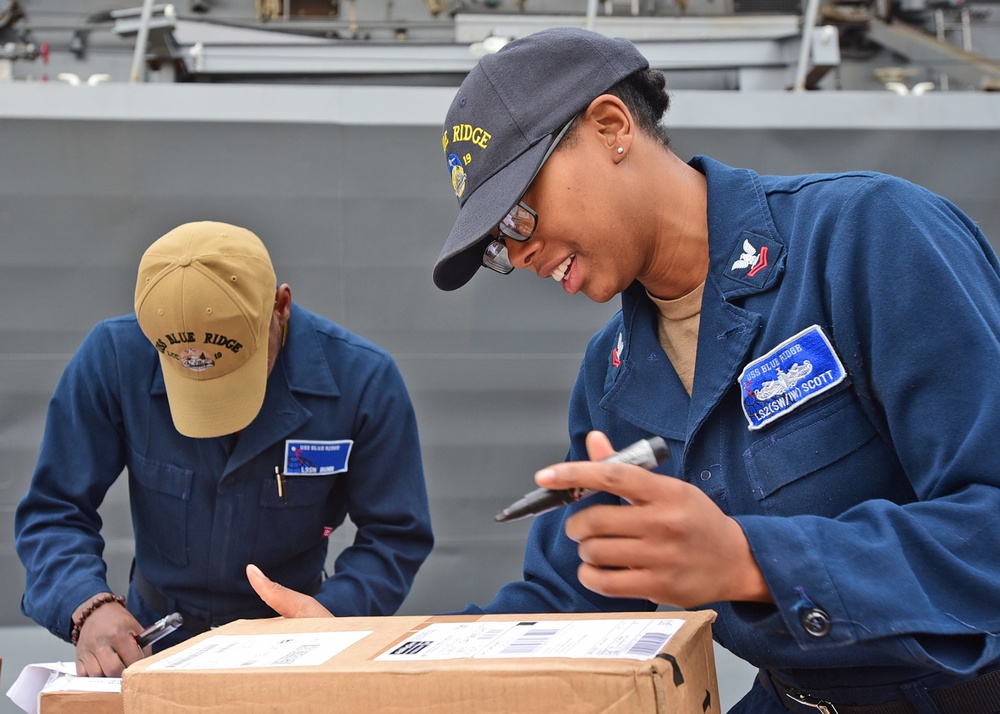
[(727, 329)]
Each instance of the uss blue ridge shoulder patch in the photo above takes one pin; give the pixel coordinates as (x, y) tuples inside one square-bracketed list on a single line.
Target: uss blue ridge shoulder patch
[(796, 371)]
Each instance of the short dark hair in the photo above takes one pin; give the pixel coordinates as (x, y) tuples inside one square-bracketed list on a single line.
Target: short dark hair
[(645, 94)]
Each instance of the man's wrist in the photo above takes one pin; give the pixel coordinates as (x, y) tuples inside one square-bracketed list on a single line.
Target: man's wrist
[(87, 608)]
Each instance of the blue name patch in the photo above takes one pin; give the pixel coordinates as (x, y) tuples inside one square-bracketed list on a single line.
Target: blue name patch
[(304, 458), (799, 369)]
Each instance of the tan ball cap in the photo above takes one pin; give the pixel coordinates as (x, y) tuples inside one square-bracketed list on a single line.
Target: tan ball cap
[(204, 298)]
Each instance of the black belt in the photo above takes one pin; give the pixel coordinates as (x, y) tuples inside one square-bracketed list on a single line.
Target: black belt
[(192, 623), (977, 696)]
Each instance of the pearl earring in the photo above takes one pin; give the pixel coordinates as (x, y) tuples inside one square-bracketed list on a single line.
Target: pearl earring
[(621, 150)]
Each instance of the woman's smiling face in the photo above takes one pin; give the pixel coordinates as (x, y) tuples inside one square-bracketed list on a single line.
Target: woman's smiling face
[(581, 237)]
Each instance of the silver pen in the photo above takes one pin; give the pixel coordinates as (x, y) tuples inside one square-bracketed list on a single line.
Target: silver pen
[(159, 629)]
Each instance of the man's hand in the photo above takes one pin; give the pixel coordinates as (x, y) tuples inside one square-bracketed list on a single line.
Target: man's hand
[(107, 642), (286, 602), (673, 545)]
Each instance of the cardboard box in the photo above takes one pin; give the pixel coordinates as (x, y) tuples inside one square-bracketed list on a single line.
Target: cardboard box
[(679, 680)]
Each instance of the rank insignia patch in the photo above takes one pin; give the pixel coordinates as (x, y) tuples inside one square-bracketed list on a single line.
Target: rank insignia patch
[(616, 353), (751, 260), (755, 260)]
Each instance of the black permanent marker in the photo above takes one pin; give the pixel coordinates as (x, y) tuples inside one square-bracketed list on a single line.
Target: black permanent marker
[(648, 453), (159, 629)]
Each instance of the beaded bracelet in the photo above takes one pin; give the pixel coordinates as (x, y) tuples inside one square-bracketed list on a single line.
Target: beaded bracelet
[(102, 600)]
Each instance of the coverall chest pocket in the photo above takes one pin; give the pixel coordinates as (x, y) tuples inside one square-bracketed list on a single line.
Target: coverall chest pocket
[(294, 520), (160, 494), (823, 461)]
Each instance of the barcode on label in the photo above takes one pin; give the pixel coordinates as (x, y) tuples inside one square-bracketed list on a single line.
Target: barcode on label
[(529, 642), (411, 648), (649, 644)]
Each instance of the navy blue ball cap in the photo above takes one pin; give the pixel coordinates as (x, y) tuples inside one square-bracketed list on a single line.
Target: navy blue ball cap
[(503, 119)]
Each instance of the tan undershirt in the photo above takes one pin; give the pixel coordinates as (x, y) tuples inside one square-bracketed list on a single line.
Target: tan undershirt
[(678, 331)]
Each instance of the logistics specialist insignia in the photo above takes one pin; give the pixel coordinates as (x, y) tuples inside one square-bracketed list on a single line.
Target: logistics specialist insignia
[(799, 369)]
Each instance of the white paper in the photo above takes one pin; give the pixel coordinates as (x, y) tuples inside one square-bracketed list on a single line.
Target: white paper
[(84, 684), (55, 676), (238, 651), (604, 639)]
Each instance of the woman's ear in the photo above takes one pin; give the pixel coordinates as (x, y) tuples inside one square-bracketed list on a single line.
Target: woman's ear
[(614, 124)]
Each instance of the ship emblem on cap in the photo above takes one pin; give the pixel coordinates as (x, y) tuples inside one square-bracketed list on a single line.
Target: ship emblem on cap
[(458, 176), (196, 360)]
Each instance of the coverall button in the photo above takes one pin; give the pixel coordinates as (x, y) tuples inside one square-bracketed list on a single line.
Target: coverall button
[(816, 622), (706, 475)]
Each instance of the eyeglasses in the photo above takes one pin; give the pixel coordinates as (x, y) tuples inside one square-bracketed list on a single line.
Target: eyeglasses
[(520, 222)]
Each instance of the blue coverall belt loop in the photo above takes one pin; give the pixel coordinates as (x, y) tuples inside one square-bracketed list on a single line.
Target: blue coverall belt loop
[(977, 696)]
